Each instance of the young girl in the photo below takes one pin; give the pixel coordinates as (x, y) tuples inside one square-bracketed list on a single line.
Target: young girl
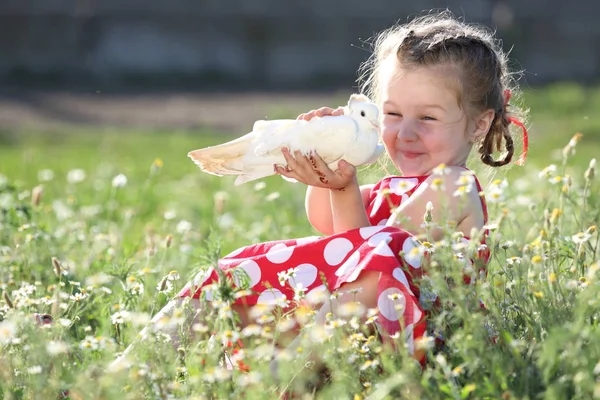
[(443, 87)]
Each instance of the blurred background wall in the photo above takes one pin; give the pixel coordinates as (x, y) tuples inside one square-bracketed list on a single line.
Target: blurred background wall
[(265, 44)]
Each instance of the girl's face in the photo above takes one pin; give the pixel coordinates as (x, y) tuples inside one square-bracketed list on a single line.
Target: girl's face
[(422, 125)]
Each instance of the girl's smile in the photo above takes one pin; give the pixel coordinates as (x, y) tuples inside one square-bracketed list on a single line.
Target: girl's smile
[(423, 124)]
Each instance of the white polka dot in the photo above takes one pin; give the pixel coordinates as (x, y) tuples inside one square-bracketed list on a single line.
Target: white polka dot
[(383, 249), (380, 237), (235, 252), (350, 263), (382, 222), (202, 276), (377, 204), (369, 231), (279, 253), (387, 306), (306, 240), (355, 273), (270, 296), (416, 314), (413, 258), (402, 185), (208, 292), (225, 262), (251, 268), (306, 274), (336, 250), (400, 276)]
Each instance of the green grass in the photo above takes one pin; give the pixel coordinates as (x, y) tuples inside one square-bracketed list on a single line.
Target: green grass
[(544, 302)]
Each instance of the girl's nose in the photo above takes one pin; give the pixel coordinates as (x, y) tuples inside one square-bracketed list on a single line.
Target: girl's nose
[(406, 133)]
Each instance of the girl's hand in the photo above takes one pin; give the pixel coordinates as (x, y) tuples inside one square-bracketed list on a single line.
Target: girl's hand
[(313, 171), (321, 112)]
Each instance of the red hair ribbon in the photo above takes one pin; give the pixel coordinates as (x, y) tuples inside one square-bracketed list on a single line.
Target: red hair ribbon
[(521, 160)]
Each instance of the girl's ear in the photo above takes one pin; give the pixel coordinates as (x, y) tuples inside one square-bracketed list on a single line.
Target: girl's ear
[(482, 125)]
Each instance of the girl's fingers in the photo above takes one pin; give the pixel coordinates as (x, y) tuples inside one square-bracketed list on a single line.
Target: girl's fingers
[(338, 111), (289, 159), (320, 112)]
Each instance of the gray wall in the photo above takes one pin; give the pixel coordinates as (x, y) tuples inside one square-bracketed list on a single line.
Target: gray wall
[(265, 43)]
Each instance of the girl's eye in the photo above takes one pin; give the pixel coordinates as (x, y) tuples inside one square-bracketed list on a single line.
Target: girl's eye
[(428, 118), (393, 114)]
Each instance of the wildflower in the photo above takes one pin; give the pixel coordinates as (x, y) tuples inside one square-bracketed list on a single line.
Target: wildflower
[(77, 297), (441, 169), (428, 217), (425, 343), (555, 215), (230, 336), (513, 260), (89, 343), (251, 378), (36, 369), (260, 186), (75, 175), (303, 314), (156, 166), (58, 270), (537, 259), (169, 214), (118, 318), (299, 291), (285, 324), (282, 277), (220, 200), (538, 294), (8, 331), (65, 322), (54, 347), (45, 175), (36, 195), (351, 308), (548, 171), (590, 173), (318, 295), (581, 237), (336, 323), (570, 147), (552, 277), (119, 181), (251, 330), (272, 196), (184, 226), (369, 364), (135, 288), (437, 184)]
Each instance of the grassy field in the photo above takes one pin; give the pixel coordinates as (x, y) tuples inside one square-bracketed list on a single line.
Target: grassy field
[(100, 226)]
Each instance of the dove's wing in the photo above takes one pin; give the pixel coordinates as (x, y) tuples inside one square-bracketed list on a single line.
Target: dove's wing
[(328, 136)]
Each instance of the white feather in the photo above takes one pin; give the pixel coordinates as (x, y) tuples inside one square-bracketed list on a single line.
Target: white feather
[(352, 137)]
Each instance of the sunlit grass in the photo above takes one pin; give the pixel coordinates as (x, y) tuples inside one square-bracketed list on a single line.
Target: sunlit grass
[(100, 229)]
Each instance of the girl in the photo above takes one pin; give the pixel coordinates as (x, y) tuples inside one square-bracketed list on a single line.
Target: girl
[(443, 87)]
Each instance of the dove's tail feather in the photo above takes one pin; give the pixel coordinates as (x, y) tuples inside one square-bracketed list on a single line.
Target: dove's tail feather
[(254, 174), (223, 159)]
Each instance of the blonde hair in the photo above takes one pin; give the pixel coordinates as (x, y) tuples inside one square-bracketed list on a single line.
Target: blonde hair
[(477, 58)]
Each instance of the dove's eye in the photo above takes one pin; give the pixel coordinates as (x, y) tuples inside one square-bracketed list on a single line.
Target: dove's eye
[(362, 114)]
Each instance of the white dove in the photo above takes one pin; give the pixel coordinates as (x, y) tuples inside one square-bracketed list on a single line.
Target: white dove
[(353, 137)]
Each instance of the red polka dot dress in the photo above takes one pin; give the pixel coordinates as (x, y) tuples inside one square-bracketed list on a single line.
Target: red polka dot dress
[(340, 258)]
